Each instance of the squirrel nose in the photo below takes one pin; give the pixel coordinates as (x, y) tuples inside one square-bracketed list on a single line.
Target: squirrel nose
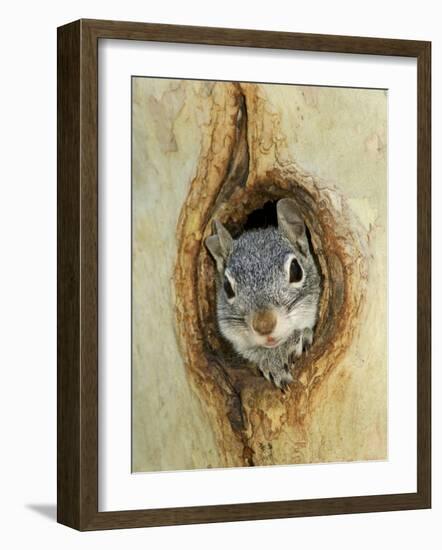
[(264, 321)]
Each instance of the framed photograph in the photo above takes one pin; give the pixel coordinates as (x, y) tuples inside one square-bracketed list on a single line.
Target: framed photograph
[(243, 274)]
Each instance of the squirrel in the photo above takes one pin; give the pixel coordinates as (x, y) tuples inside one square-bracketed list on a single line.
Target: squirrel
[(268, 291)]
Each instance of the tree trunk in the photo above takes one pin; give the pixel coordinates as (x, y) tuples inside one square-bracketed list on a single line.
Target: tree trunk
[(252, 141)]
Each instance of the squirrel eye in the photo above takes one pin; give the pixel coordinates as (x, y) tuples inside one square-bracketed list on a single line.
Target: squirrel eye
[(295, 271), (228, 289)]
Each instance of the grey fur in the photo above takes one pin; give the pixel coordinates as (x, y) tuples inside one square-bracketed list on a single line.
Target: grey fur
[(255, 265)]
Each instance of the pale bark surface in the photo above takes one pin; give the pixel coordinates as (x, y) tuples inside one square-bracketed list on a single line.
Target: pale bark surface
[(202, 151)]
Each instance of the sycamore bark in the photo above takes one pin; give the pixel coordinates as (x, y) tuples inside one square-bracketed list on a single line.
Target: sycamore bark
[(221, 150)]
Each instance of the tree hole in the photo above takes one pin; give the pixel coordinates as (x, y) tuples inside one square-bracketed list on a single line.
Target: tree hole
[(262, 217), (257, 210)]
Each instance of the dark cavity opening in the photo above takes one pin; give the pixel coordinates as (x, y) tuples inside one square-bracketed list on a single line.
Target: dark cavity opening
[(262, 217)]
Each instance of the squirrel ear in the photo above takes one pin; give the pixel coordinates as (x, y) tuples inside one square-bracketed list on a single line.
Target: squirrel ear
[(219, 245), (291, 224)]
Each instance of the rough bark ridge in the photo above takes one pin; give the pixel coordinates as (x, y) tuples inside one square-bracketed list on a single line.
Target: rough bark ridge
[(245, 163)]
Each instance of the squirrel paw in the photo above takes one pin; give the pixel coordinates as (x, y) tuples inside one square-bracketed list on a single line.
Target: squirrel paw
[(303, 342), (307, 338), (281, 376), (282, 380)]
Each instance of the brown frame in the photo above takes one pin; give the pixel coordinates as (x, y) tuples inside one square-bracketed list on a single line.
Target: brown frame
[(77, 224)]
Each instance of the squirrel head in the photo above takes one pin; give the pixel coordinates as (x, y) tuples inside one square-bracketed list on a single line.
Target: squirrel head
[(268, 284)]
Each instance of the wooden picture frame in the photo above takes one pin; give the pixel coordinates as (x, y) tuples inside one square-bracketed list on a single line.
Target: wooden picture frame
[(77, 225)]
